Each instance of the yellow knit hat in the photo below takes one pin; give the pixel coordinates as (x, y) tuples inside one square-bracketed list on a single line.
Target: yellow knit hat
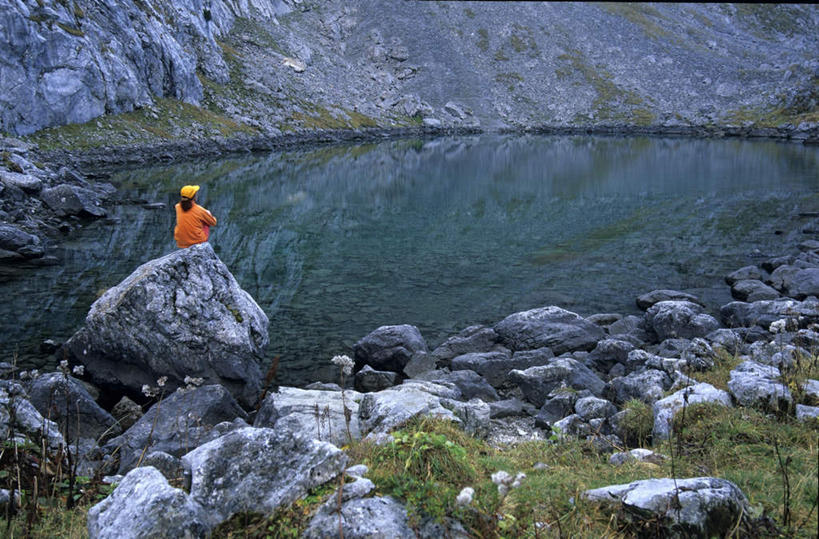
[(189, 191)]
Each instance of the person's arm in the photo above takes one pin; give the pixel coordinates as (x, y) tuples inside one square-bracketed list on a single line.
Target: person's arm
[(208, 218)]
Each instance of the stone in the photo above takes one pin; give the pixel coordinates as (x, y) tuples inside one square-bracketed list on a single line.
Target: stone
[(145, 505), (16, 240), (382, 411), (182, 315), (66, 401), (729, 340), (126, 412), (755, 385), (572, 425), (648, 386), (258, 470), (312, 413), (745, 273), (27, 420), (495, 366), (179, 423), (803, 284), (807, 414), (67, 199), (537, 382), (548, 327), (637, 455), (752, 290), (419, 363), (26, 182), (506, 408), (589, 408), (810, 391), (168, 465), (389, 348), (608, 353), (559, 404), (469, 383), (474, 339), (368, 379), (695, 507), (627, 324), (763, 313), (683, 319), (665, 409), (604, 319), (362, 517), (645, 301)]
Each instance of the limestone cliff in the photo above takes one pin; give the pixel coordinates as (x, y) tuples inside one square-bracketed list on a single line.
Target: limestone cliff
[(276, 66)]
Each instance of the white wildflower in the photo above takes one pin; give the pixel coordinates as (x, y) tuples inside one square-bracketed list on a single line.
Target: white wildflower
[(64, 365), (161, 381), (345, 363), (192, 382), (79, 370), (24, 375), (146, 389), (465, 497), (778, 326), (501, 478), (518, 478), (35, 373)]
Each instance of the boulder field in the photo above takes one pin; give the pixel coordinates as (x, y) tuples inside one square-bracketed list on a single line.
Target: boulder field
[(211, 444)]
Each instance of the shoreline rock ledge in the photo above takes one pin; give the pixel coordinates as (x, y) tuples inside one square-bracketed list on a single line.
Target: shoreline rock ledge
[(180, 315)]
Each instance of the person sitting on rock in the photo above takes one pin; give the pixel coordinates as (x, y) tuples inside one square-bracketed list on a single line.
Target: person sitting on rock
[(193, 222)]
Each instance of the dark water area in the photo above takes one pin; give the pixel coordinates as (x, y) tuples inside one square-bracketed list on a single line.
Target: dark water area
[(442, 234)]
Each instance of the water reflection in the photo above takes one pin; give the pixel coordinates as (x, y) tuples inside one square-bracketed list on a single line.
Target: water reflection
[(442, 234)]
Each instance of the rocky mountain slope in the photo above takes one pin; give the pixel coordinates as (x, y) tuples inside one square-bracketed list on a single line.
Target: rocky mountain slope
[(199, 69)]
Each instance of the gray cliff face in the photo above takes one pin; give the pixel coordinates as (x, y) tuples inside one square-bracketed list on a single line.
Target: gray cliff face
[(278, 65)]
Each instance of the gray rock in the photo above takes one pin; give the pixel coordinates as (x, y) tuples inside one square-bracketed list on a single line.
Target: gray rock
[(559, 404), (312, 413), (548, 327), (506, 408), (665, 409), (27, 420), (382, 411), (809, 245), (752, 290), (67, 199), (647, 386), (745, 273), (177, 316), (418, 364), (145, 505), (368, 379), (807, 413), (696, 507), (495, 366), (756, 385), (537, 382), (608, 353), (389, 348), (362, 518), (729, 340), (649, 299), (810, 391), (803, 284), (258, 470), (168, 465), (126, 412), (604, 319), (589, 408), (469, 383), (26, 182), (16, 240), (637, 455), (179, 423), (572, 425), (67, 402), (763, 313), (474, 339), (627, 324), (679, 319)]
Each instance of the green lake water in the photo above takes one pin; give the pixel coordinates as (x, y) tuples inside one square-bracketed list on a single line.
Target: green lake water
[(442, 234)]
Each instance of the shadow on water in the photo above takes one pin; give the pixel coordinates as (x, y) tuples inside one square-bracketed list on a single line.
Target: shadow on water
[(442, 234)]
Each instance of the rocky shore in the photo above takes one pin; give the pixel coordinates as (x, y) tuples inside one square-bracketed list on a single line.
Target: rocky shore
[(222, 433)]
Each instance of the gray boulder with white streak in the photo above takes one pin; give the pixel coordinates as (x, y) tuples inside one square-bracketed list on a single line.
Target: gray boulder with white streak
[(177, 316)]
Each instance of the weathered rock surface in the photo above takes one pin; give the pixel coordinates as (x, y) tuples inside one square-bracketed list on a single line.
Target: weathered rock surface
[(28, 423), (763, 313), (648, 386), (362, 517), (145, 505), (469, 383), (495, 366), (66, 401), (708, 506), (537, 382), (368, 379), (19, 243), (312, 413), (665, 409), (389, 348), (548, 327), (67, 199), (649, 299), (683, 319), (471, 340), (179, 423), (380, 412), (258, 470), (751, 290), (756, 385), (177, 316)]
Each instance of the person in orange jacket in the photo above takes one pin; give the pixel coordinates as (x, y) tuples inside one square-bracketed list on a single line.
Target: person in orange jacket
[(193, 222)]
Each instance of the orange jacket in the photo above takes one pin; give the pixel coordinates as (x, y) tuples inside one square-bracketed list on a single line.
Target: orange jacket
[(192, 226)]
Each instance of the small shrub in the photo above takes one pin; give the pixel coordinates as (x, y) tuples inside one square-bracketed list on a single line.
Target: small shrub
[(637, 423)]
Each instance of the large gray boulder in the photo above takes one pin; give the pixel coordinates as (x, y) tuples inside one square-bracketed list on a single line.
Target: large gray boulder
[(67, 199), (683, 319), (804, 283), (474, 339), (665, 409), (177, 316), (368, 379), (389, 348), (19, 243), (755, 385), (696, 507), (537, 382), (752, 290), (649, 299), (179, 423), (647, 386), (495, 366), (763, 313), (145, 505), (548, 327), (313, 413), (65, 401), (25, 423), (258, 471), (469, 383), (382, 411)]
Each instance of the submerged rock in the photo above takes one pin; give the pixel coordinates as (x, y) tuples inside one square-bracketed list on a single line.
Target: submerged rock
[(177, 316)]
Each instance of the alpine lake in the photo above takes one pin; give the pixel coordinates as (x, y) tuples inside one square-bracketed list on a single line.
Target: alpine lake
[(335, 241)]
